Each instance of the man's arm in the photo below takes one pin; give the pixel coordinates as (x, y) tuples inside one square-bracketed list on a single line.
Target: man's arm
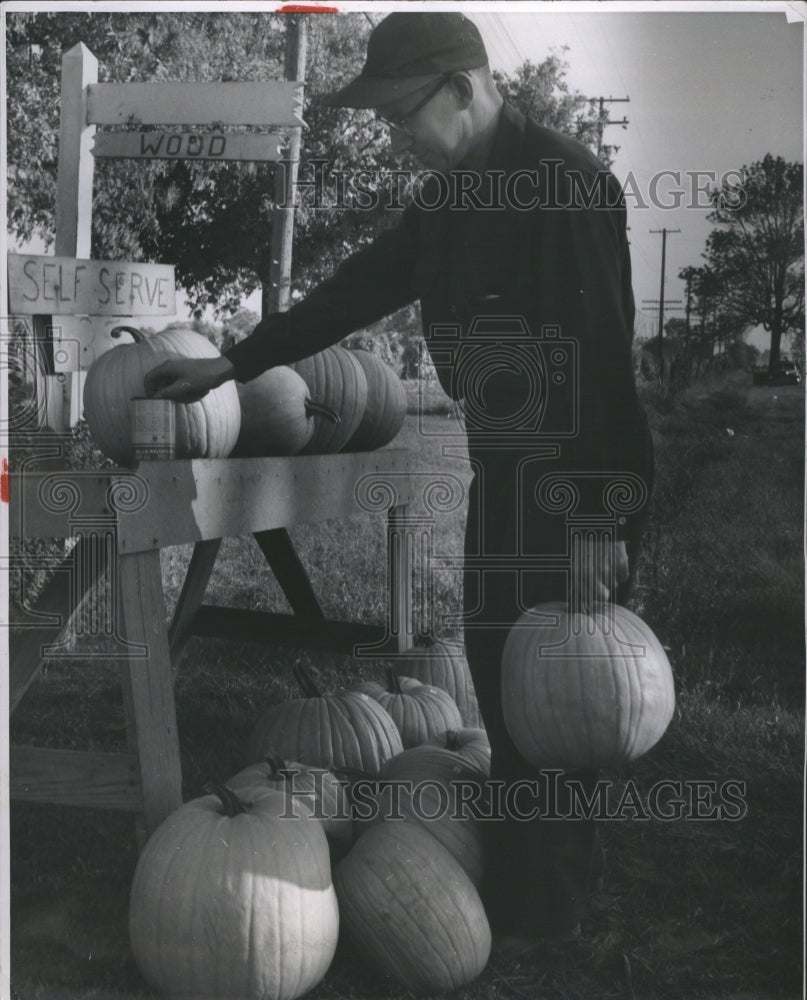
[(369, 285)]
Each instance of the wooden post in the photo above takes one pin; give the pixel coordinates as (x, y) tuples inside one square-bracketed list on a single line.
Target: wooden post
[(278, 296), (73, 206)]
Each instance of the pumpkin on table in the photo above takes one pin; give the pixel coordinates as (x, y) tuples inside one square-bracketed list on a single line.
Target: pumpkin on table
[(420, 711), (278, 415), (385, 410), (231, 900), (348, 730), (205, 429), (410, 910), (584, 691), (336, 380)]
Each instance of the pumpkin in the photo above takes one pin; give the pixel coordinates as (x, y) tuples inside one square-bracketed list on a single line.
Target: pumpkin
[(471, 746), (277, 413), (385, 410), (411, 911), (230, 899), (336, 731), (320, 790), (442, 664), (335, 379), (584, 690), (206, 429), (441, 793), (420, 711)]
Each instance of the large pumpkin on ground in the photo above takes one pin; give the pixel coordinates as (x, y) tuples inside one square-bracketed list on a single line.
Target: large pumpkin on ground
[(584, 691), (230, 900), (206, 429), (385, 410), (443, 664), (420, 711), (278, 416), (471, 746), (411, 911), (319, 789), (348, 730), (335, 379)]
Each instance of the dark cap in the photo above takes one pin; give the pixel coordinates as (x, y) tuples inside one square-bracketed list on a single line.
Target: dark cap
[(406, 51)]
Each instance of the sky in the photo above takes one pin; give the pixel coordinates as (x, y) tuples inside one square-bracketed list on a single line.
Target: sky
[(709, 91), (712, 86)]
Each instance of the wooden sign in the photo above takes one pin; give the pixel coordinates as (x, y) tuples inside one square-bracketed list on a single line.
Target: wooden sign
[(67, 286), (273, 103), (187, 146)]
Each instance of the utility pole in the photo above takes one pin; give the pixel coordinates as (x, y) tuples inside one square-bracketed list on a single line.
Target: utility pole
[(661, 300), (603, 119), (277, 297)]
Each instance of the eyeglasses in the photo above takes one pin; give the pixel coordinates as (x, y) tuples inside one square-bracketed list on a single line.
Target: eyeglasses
[(400, 122)]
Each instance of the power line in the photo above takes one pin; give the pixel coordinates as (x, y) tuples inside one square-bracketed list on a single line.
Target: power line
[(661, 300)]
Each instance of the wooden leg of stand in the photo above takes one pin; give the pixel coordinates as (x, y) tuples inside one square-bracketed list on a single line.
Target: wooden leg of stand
[(277, 546), (193, 593), (148, 688)]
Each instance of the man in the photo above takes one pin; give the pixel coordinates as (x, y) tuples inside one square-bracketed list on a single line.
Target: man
[(521, 265)]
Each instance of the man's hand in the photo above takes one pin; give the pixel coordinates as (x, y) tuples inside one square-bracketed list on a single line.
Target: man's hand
[(597, 568), (187, 380)]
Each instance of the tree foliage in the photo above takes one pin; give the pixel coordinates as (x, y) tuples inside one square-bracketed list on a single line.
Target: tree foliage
[(756, 250), (213, 221)]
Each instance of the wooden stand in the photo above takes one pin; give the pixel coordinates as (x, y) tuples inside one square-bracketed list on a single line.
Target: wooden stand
[(122, 520)]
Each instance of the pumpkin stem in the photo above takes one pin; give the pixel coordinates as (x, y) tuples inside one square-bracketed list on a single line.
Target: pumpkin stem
[(306, 682), (453, 740), (393, 681), (321, 410), (275, 762), (232, 805), (134, 333)]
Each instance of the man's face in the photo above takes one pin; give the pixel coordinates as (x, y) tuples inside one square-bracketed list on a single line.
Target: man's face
[(426, 125)]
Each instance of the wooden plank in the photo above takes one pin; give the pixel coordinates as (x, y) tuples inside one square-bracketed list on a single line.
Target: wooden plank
[(74, 778), (148, 689), (75, 173), (281, 555), (237, 103), (67, 285), (188, 501), (56, 603), (222, 498), (188, 146), (276, 629), (191, 596)]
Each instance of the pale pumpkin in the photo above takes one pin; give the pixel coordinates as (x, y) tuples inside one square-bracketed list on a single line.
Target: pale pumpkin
[(277, 413), (335, 379), (385, 411), (230, 900), (348, 730), (411, 911), (206, 429), (420, 711), (584, 691), (319, 789)]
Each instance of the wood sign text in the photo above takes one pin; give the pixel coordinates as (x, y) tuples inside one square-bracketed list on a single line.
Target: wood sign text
[(66, 286), (187, 146)]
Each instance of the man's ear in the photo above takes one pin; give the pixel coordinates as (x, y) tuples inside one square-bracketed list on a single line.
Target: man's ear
[(463, 88)]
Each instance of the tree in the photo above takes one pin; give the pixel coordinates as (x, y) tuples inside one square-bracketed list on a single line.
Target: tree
[(213, 222), (757, 248)]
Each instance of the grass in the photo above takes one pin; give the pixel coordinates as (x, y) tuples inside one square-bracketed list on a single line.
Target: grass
[(691, 908)]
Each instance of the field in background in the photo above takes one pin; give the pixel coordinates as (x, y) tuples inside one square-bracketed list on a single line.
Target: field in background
[(693, 909)]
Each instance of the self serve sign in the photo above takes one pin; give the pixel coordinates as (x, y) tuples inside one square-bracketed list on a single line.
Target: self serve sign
[(67, 286)]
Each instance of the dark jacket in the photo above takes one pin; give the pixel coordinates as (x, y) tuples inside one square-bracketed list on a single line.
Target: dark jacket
[(549, 357)]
